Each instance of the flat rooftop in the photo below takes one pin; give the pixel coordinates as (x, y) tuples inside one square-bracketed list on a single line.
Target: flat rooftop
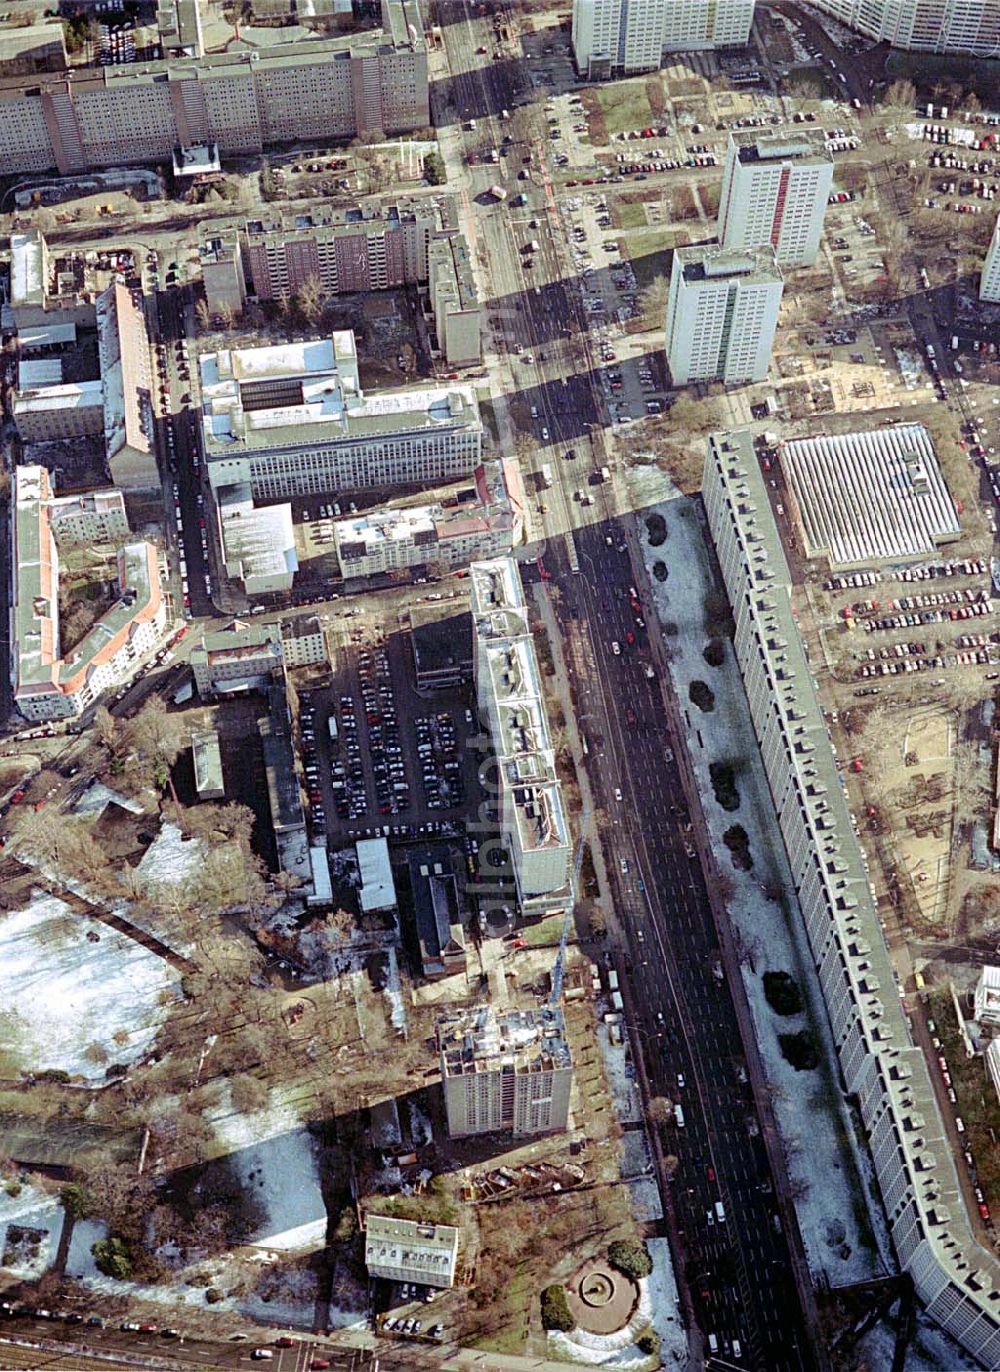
[(806, 145), (871, 496), (710, 262), (483, 1040)]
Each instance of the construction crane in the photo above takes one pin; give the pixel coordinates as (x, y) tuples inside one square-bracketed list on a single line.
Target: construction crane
[(558, 971)]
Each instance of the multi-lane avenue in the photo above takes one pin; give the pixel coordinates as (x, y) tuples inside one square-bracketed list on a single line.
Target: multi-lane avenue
[(737, 1270)]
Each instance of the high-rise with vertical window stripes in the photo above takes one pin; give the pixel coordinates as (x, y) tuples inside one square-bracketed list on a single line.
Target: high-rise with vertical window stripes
[(775, 189), (722, 313)]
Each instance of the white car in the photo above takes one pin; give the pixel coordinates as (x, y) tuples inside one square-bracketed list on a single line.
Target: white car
[(616, 648), (545, 432), (618, 793)]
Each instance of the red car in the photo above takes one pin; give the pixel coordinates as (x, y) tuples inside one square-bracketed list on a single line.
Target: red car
[(17, 797), (630, 637), (630, 715), (286, 1341), (984, 1210), (320, 1362), (710, 1172)]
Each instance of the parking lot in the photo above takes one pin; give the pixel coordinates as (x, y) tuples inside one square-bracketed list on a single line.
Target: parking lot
[(379, 756)]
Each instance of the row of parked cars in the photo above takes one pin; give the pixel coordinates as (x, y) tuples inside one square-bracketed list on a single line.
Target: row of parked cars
[(437, 749), (392, 789)]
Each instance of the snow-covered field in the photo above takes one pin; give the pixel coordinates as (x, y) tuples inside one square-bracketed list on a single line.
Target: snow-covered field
[(273, 1156), (74, 994), (824, 1161)]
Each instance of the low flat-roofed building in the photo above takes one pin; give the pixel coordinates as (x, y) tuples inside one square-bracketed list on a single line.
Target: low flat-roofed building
[(207, 757), (222, 275), (39, 337), (284, 795), (48, 414), (199, 162), (509, 1071), (304, 641), (179, 23), (33, 373), (481, 518), (28, 275), (93, 517), (869, 497), (378, 890), (127, 377), (258, 541), (27, 48), (410, 1251), (437, 912), (47, 683), (291, 420), (237, 659), (441, 647)]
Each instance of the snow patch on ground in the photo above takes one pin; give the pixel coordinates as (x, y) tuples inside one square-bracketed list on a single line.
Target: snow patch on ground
[(618, 1349), (665, 1304), (33, 1209), (100, 989), (274, 1157), (823, 1158), (624, 1092)]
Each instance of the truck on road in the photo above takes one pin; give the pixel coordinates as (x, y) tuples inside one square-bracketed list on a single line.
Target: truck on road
[(545, 476)]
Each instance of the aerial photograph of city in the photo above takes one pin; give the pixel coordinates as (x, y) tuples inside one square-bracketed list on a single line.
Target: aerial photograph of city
[(499, 799)]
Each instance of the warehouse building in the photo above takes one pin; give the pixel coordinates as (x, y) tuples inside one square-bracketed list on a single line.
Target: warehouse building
[(876, 496), (955, 1277)]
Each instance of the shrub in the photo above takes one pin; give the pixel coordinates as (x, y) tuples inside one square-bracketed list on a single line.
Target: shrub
[(53, 1074), (434, 169), (649, 1342), (75, 1201), (555, 1309), (660, 572), (801, 1050), (782, 992), (714, 652), (656, 530), (112, 1258), (702, 695), (724, 785), (630, 1256), (213, 1295), (13, 1188), (737, 841)]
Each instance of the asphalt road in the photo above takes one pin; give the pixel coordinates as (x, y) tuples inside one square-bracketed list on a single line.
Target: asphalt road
[(738, 1271)]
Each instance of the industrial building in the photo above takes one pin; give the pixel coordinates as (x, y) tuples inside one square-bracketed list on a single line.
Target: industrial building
[(505, 1072), (864, 497), (955, 1277), (722, 314), (378, 890), (441, 647), (483, 518), (775, 188), (291, 420), (620, 37), (207, 760), (284, 795), (533, 819), (242, 100), (49, 683), (961, 26), (437, 912), (258, 542), (410, 1251)]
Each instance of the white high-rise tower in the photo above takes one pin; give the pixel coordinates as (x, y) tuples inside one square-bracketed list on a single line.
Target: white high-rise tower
[(722, 313), (775, 189), (620, 37)]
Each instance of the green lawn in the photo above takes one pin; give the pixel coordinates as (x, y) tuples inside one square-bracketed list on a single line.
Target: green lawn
[(630, 214), (649, 254), (548, 931), (625, 105)]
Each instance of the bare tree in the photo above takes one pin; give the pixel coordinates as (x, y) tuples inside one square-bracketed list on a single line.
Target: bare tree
[(311, 300), (661, 1110), (203, 314), (156, 735), (107, 729)]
